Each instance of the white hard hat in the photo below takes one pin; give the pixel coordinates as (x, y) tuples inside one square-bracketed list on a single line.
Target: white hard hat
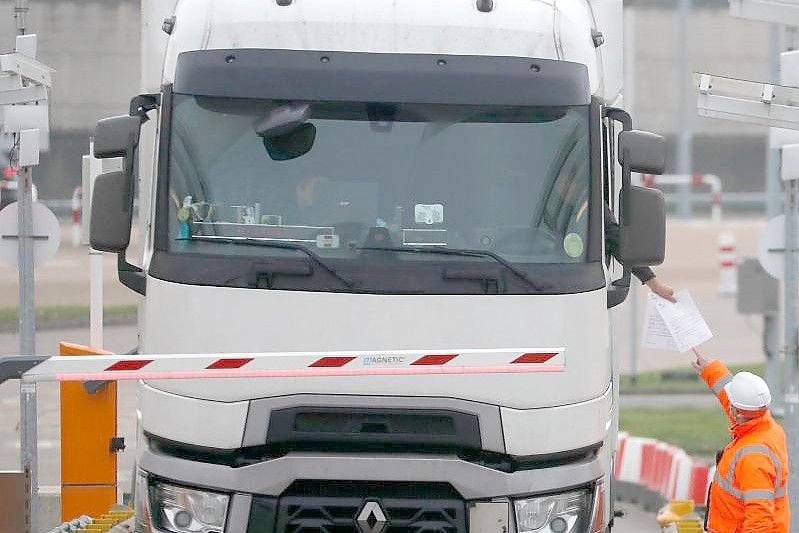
[(748, 392)]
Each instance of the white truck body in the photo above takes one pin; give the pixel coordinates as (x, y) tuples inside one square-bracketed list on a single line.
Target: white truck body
[(539, 433)]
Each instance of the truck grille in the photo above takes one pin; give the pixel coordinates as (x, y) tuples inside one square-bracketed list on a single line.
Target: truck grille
[(337, 507)]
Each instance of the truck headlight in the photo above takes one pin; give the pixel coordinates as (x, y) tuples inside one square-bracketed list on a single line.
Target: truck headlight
[(141, 520), (568, 512), (182, 510)]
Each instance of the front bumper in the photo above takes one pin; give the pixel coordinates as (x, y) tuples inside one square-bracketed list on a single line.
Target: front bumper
[(379, 507)]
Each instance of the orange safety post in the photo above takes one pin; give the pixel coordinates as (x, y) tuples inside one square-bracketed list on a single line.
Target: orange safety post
[(88, 462)]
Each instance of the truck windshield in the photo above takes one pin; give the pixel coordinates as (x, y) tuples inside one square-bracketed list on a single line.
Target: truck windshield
[(379, 180)]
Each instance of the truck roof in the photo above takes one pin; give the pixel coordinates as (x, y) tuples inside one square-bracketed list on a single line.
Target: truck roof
[(546, 29)]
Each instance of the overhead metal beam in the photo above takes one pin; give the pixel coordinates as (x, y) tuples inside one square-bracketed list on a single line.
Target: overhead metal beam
[(25, 95), (777, 11), (760, 103), (27, 67)]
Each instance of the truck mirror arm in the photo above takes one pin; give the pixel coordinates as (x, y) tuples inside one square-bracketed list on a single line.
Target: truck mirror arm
[(619, 289), (130, 275)]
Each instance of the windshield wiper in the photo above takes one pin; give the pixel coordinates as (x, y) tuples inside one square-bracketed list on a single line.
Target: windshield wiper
[(463, 252), (250, 241)]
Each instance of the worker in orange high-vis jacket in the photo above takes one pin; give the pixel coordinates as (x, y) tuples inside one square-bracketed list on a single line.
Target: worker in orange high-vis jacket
[(749, 493)]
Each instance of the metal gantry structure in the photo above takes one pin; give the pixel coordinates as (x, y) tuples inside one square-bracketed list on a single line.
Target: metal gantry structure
[(776, 106), (24, 83)]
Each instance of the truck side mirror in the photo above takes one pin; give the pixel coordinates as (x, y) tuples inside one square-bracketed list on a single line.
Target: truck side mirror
[(116, 137), (112, 196), (643, 233), (641, 151), (112, 212)]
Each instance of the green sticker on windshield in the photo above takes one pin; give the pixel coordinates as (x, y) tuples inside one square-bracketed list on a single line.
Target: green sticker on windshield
[(573, 245)]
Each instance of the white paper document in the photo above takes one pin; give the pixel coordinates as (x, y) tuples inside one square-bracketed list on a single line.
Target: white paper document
[(656, 332), (674, 326)]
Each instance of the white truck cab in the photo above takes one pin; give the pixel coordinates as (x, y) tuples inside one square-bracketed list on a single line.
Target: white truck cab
[(375, 176)]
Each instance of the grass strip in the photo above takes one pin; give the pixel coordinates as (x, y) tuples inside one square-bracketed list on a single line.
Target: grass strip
[(699, 431), (681, 380), (65, 314)]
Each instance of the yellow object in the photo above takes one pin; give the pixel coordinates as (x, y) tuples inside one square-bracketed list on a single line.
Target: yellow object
[(88, 465), (682, 507), (109, 520), (677, 517)]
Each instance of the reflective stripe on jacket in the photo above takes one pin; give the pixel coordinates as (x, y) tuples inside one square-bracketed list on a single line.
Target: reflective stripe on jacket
[(750, 489)]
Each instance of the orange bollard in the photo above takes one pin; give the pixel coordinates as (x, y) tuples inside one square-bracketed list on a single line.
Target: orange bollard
[(88, 465)]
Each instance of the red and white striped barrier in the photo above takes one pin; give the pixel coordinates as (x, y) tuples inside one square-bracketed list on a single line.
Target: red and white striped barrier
[(728, 264), (281, 365), (711, 180), (680, 479), (77, 200), (661, 468)]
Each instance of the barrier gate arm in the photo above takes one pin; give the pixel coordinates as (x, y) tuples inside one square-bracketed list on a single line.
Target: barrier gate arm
[(280, 365)]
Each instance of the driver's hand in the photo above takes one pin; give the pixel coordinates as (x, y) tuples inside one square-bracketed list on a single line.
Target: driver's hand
[(661, 289)]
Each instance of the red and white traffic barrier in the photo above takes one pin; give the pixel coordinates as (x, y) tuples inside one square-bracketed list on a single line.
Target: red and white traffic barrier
[(661, 468), (711, 180), (680, 480), (77, 198), (728, 264), (282, 365), (630, 458)]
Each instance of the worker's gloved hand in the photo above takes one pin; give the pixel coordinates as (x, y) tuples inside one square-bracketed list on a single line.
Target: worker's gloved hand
[(661, 289), (701, 361)]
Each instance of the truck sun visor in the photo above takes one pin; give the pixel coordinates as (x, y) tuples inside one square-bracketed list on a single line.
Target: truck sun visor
[(368, 77)]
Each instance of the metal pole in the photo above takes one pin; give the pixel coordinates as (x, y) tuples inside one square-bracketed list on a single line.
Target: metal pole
[(773, 188), (686, 110), (771, 322), (20, 14), (791, 288), (27, 338), (629, 104), (95, 264), (27, 317), (771, 348), (95, 298), (634, 331)]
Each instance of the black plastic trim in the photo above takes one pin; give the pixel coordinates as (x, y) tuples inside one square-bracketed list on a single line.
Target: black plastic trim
[(240, 457), (331, 506), (410, 277), (373, 428), (371, 77), (131, 276), (619, 289)]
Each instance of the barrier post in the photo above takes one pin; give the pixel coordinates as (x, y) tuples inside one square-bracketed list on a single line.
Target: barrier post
[(76, 211), (88, 462), (728, 260)]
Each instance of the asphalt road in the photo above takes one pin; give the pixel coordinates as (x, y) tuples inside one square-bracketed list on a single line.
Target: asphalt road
[(636, 520)]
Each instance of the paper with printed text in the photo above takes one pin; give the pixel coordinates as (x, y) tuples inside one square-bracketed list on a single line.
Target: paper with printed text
[(684, 326)]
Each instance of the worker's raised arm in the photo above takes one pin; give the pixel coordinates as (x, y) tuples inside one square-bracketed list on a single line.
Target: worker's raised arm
[(716, 375)]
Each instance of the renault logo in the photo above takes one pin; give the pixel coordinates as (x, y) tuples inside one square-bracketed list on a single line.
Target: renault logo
[(371, 519)]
